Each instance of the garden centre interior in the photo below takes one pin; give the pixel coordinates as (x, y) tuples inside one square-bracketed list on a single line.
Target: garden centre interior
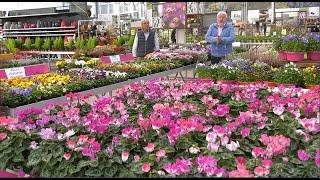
[(80, 97)]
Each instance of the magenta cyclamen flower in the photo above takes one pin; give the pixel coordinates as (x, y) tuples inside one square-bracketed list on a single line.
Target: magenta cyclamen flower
[(267, 163), (245, 132), (181, 166), (222, 110), (261, 171), (303, 155)]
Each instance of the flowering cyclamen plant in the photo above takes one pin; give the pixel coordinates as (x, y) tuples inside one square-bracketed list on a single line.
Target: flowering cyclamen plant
[(170, 128)]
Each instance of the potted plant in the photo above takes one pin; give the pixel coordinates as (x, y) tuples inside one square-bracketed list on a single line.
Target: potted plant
[(47, 44), (295, 47), (289, 74), (37, 43), (277, 44), (28, 44), (311, 76), (69, 45), (313, 50), (10, 44)]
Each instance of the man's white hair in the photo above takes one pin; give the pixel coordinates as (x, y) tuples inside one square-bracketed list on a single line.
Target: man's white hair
[(222, 12)]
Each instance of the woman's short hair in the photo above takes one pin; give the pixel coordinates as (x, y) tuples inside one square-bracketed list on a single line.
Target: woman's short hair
[(222, 12)]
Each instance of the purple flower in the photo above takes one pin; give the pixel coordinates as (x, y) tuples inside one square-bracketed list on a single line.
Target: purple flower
[(290, 37), (304, 39), (34, 145), (303, 155), (47, 133)]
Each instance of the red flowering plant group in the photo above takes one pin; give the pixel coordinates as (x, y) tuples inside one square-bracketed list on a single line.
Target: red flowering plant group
[(171, 128)]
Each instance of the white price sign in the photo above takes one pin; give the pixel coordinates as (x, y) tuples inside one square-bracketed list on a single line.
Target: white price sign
[(15, 72), (115, 59), (236, 44)]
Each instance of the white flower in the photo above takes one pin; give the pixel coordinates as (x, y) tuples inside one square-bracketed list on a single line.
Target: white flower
[(200, 65), (60, 136), (233, 146), (162, 173), (194, 150), (300, 132), (81, 62), (69, 133)]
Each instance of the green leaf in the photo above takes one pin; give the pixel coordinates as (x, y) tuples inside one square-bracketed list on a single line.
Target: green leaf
[(46, 157), (18, 158), (226, 155), (93, 172), (295, 161), (74, 169), (58, 151), (110, 172), (84, 163), (45, 172), (117, 159), (34, 157), (4, 144)]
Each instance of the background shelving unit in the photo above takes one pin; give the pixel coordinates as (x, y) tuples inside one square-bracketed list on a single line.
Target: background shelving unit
[(47, 32), (193, 23)]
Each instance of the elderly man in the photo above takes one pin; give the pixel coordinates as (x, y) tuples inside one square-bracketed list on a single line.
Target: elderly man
[(221, 37), (146, 41)]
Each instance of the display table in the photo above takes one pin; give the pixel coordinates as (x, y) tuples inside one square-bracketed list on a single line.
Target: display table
[(96, 91), (306, 63)]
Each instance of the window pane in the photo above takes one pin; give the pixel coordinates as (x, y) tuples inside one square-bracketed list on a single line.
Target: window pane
[(104, 8), (110, 8)]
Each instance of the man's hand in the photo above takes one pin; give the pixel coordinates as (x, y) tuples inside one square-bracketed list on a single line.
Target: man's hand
[(218, 40)]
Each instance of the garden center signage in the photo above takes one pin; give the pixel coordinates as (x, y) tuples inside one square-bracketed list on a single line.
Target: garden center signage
[(115, 59), (174, 15), (15, 72)]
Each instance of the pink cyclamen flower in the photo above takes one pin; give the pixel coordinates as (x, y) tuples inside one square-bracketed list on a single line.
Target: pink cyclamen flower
[(245, 132), (3, 136), (241, 160), (146, 167), (161, 153), (67, 156), (124, 156), (267, 163), (136, 158), (256, 151), (303, 155), (317, 161), (71, 144), (261, 171), (149, 148), (34, 145)]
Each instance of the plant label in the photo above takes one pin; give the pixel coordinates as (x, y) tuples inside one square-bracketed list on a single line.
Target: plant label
[(15, 72), (115, 59)]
